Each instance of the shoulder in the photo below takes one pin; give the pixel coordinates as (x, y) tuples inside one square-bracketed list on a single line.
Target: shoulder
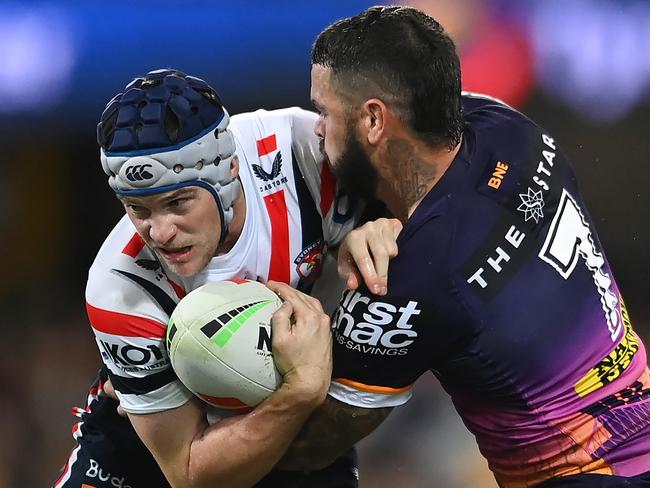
[(263, 132), (506, 153), (285, 117), (127, 278), (503, 127)]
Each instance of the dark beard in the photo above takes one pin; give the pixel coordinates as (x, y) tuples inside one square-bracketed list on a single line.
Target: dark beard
[(354, 171)]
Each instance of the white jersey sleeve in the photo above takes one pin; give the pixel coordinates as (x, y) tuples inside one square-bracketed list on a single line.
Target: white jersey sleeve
[(339, 212), (129, 300)]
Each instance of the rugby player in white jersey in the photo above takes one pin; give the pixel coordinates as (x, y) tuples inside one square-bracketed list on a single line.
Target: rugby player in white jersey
[(206, 200)]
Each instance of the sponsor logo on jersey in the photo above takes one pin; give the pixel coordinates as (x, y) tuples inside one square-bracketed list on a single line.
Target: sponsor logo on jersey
[(148, 264), (130, 358), (503, 252), (532, 203), (96, 471), (545, 166), (274, 179), (309, 263), (369, 326), (496, 260), (500, 170), (275, 169)]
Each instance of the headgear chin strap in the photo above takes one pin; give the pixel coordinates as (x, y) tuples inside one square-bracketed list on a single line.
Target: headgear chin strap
[(165, 132)]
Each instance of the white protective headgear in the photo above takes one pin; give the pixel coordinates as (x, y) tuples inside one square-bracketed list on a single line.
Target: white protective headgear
[(167, 131)]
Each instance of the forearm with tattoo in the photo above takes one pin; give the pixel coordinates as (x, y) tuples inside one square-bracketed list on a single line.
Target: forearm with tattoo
[(331, 430)]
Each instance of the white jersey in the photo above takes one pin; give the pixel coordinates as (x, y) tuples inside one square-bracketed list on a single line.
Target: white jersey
[(292, 216)]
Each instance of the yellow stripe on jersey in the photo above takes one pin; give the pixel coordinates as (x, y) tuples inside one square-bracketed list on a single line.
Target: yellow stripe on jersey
[(613, 365)]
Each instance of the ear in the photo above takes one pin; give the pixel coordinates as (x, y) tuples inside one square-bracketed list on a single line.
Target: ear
[(234, 167), (375, 117)]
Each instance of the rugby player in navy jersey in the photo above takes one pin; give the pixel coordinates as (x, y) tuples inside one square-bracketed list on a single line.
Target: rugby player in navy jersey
[(209, 198), (501, 288)]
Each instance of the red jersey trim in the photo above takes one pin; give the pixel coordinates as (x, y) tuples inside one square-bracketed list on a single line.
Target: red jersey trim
[(121, 324), (228, 403), (134, 246), (178, 289), (276, 206), (266, 145)]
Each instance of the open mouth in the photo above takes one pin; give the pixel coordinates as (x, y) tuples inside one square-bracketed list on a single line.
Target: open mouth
[(175, 254)]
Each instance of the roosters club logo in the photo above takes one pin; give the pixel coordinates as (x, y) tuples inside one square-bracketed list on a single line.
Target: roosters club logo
[(309, 263)]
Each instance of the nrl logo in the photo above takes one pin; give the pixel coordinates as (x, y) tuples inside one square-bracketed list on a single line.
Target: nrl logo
[(531, 205)]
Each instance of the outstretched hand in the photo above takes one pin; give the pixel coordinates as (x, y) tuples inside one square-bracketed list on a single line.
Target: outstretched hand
[(365, 253)]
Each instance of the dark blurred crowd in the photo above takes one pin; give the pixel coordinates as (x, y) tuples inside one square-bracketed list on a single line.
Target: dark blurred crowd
[(55, 210)]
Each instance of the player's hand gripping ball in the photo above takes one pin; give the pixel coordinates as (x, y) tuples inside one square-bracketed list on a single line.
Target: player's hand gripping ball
[(219, 343)]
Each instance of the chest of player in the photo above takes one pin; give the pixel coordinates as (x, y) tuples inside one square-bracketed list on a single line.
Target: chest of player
[(288, 230)]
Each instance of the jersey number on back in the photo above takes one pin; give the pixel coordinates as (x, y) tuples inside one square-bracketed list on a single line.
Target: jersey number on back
[(569, 238)]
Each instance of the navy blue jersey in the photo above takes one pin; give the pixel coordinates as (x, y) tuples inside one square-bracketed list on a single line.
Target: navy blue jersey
[(501, 288)]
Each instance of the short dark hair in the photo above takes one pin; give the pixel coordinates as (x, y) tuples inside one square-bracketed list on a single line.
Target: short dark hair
[(404, 57)]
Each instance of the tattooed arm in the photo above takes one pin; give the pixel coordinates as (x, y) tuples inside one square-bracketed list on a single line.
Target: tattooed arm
[(331, 430)]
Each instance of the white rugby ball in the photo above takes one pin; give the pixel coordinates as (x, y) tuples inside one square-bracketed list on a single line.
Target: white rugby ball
[(219, 343)]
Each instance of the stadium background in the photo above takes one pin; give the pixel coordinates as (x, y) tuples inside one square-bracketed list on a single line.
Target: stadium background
[(578, 67)]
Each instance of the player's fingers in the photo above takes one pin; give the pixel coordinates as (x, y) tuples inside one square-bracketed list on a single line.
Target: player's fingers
[(276, 287), (286, 292), (345, 263), (315, 303), (281, 320), (383, 246), (385, 237), (353, 280), (394, 229), (358, 260), (302, 308), (121, 412), (109, 390), (380, 259)]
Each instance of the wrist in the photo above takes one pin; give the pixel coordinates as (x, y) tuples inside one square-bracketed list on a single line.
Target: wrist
[(307, 388)]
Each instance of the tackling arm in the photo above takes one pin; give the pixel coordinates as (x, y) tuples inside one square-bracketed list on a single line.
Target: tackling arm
[(236, 451), (332, 429)]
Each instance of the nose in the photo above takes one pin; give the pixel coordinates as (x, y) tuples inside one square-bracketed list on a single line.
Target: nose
[(319, 127), (161, 229)]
